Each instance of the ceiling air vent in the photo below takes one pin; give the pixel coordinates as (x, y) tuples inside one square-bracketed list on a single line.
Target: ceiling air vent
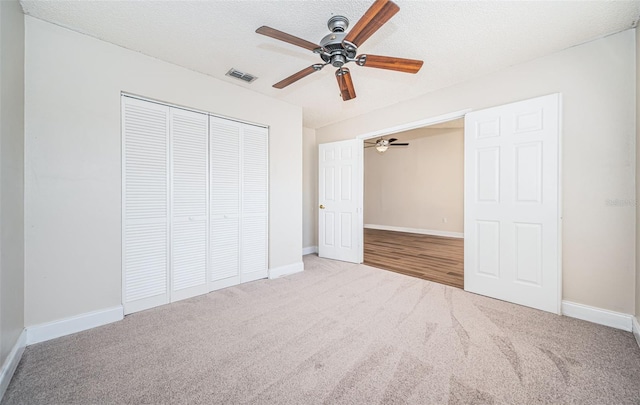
[(241, 75)]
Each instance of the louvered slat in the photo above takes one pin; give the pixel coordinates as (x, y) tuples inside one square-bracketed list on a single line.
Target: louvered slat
[(189, 160), (255, 182), (255, 148), (254, 245), (145, 204), (189, 143), (145, 258), (145, 155), (224, 150), (225, 248), (189, 254), (239, 192), (225, 166)]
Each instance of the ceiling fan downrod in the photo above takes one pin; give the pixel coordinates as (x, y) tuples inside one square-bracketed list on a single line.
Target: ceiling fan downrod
[(338, 23)]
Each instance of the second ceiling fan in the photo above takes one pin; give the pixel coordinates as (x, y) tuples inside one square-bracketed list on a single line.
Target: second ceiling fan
[(382, 144), (340, 47)]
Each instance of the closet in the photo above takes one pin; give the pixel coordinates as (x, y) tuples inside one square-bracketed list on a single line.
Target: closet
[(194, 203)]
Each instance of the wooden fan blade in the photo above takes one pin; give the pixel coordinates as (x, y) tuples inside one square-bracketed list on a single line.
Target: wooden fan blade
[(283, 36), (399, 144), (388, 62), (392, 140), (297, 76), (376, 16), (346, 84)]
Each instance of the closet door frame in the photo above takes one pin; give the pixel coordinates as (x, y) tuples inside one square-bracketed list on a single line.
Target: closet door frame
[(210, 285)]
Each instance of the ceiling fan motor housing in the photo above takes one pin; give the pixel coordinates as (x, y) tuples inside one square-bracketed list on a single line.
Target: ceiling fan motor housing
[(336, 54)]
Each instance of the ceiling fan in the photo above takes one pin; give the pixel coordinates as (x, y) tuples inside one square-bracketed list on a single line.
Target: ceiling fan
[(340, 47), (382, 144)]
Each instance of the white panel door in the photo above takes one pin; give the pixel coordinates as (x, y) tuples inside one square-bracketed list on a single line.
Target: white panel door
[(145, 204), (255, 192), (225, 202), (189, 134), (512, 207), (340, 204)]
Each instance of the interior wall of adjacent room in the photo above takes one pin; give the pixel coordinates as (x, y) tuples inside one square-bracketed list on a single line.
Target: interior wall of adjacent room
[(73, 165), (596, 80), (419, 186), (309, 189), (11, 175)]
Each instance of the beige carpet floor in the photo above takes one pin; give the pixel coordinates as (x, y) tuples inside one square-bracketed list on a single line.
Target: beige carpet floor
[(337, 333)]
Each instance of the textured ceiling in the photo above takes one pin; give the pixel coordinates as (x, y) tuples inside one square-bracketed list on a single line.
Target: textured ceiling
[(458, 40)]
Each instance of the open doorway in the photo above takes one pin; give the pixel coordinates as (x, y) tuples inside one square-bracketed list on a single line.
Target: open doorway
[(414, 202), (512, 204)]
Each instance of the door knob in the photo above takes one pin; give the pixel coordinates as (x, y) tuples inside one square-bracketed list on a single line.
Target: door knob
[(321, 206)]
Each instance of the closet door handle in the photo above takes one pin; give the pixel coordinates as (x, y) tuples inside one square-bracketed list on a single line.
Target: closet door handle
[(321, 206)]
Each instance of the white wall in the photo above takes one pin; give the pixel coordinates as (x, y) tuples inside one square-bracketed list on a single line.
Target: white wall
[(72, 159), (598, 156), (419, 185), (637, 174), (310, 189), (11, 176)]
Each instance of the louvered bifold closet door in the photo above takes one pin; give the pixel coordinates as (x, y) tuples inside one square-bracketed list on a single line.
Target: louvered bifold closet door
[(255, 193), (225, 202), (189, 197), (145, 202)]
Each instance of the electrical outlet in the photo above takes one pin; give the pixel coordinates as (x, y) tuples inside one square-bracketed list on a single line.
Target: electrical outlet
[(444, 220)]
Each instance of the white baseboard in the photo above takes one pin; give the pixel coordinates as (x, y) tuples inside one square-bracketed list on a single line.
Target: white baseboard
[(286, 270), (415, 230), (78, 323), (309, 250), (636, 330), (600, 316), (11, 363)]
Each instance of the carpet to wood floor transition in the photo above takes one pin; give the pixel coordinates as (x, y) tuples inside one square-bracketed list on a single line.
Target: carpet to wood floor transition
[(433, 258), (337, 333)]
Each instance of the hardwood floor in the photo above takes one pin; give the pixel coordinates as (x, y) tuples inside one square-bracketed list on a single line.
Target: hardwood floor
[(434, 258)]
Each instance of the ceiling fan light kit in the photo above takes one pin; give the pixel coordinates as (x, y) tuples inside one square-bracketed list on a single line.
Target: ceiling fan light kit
[(340, 47), (382, 145)]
